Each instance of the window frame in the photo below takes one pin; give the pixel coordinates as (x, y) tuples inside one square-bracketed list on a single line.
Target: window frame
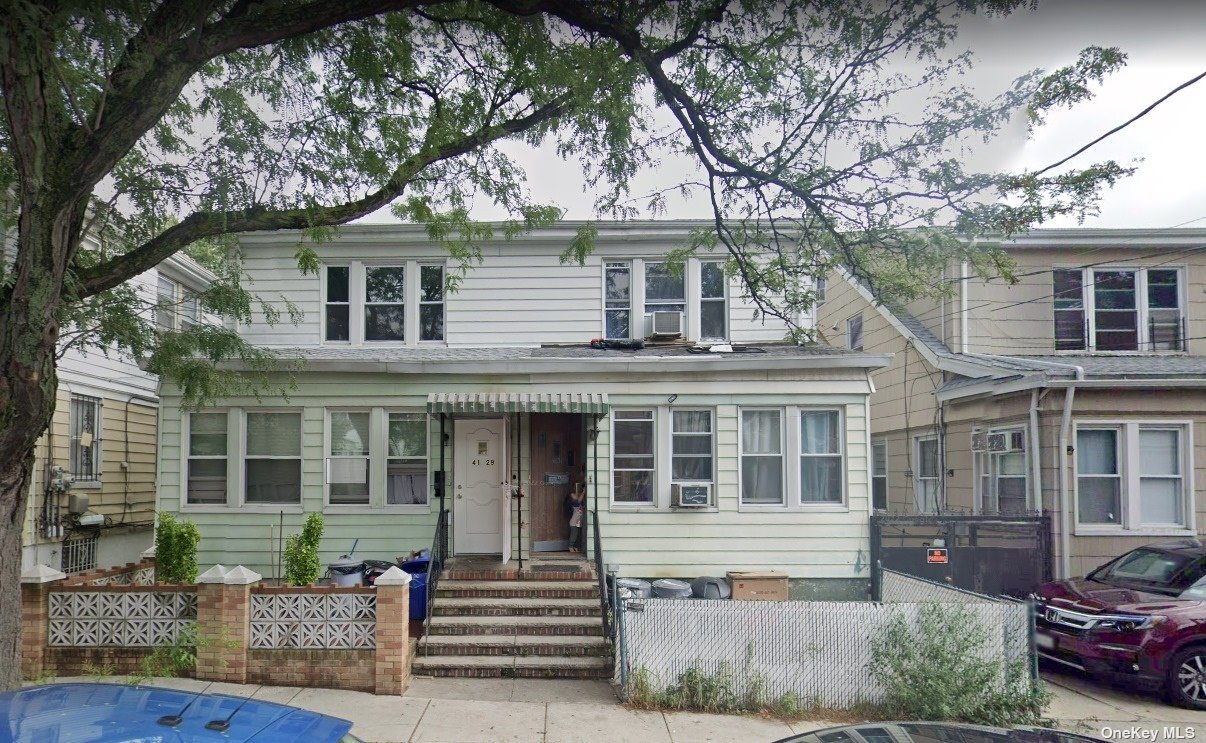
[(328, 456), (1130, 476), (657, 419), (380, 504), (97, 478), (420, 303), (851, 321), (686, 300), (880, 444), (1143, 309), (711, 435), (722, 300), (791, 443), (627, 265), (412, 301), (186, 449), (984, 465), (171, 306), (918, 479), (840, 454), (301, 459), (409, 332), (741, 455), (325, 302)]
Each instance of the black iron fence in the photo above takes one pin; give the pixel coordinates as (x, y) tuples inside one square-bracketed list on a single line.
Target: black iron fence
[(604, 594), (439, 555)]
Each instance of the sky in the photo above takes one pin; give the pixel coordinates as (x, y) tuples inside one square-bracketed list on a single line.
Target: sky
[(1165, 41)]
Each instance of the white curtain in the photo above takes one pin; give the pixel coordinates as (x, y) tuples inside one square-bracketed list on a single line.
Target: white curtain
[(762, 460)]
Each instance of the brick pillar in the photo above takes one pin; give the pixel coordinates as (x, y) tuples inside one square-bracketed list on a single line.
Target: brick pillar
[(224, 623), (393, 632), (36, 584)]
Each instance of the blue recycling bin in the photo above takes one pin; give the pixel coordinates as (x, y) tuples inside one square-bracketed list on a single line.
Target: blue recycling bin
[(417, 568)]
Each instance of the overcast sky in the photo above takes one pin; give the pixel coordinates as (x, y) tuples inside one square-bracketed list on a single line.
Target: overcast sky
[(1166, 44)]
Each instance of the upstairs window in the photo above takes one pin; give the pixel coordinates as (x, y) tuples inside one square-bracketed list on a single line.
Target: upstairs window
[(1118, 309), (854, 332), (617, 297), (431, 302), (712, 314), (85, 438), (337, 321), (165, 303), (385, 303), (190, 310), (665, 291)]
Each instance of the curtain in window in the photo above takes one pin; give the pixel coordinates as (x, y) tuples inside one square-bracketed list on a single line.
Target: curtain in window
[(762, 457), (820, 460), (1098, 489)]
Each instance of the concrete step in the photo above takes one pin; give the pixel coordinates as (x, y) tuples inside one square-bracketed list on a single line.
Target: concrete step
[(516, 607), (560, 589), (518, 645), (496, 666), (516, 625)]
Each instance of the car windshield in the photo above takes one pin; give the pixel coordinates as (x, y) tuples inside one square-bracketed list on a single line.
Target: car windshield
[(1153, 570)]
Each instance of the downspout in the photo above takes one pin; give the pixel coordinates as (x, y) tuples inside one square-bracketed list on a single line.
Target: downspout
[(1036, 483), (1065, 511), (963, 279)]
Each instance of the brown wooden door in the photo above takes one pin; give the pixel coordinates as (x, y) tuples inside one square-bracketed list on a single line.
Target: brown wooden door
[(557, 463)]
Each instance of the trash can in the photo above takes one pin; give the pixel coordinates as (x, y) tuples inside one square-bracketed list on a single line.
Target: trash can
[(416, 565), (346, 572), (633, 588), (668, 588), (710, 588), (418, 596)]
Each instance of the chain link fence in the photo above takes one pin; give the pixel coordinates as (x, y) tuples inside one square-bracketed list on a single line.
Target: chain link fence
[(818, 651)]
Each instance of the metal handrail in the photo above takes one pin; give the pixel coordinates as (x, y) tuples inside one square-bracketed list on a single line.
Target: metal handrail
[(604, 600), (439, 554)]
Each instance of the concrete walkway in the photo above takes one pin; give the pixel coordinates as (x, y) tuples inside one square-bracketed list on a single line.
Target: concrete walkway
[(561, 711)]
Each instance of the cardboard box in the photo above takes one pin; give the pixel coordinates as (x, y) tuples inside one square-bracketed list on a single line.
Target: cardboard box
[(769, 585)]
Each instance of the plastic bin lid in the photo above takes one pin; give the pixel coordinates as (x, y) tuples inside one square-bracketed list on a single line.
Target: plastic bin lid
[(346, 564)]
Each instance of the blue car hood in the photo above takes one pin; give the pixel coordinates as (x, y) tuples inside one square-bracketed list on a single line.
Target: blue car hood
[(120, 713)]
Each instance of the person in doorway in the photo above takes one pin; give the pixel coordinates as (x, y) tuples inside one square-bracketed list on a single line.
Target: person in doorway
[(575, 505)]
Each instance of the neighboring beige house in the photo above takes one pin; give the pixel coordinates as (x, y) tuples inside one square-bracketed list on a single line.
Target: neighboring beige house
[(92, 498), (1079, 391)]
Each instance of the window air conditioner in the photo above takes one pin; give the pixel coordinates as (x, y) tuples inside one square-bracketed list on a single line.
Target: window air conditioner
[(667, 324), (979, 441), (691, 496), (1007, 441)]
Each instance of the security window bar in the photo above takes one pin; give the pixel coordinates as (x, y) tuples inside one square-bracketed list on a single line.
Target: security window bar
[(665, 289), (713, 323), (820, 456), (854, 332), (879, 475), (348, 458), (406, 464), (207, 458), (928, 476), (272, 465), (617, 292), (431, 303), (337, 321), (79, 555), (85, 438), (385, 303), (1119, 310), (691, 446), (633, 455), (762, 457)]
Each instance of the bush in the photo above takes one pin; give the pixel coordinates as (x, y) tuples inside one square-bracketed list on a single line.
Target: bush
[(301, 553), (934, 670), (176, 550)]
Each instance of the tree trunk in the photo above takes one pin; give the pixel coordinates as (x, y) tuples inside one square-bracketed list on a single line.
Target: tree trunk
[(14, 490)]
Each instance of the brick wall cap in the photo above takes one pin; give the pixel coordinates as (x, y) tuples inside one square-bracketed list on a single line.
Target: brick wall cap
[(149, 553), (395, 576), (241, 576), (42, 574), (216, 574)]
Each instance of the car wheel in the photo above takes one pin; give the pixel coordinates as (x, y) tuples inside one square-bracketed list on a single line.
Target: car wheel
[(1187, 678)]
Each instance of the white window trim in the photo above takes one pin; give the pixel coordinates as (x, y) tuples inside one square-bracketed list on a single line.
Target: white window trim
[(416, 287), (98, 440), (412, 291), (877, 442), (328, 428), (698, 299), (378, 475), (791, 450), (1129, 449), (236, 452), (661, 469), (186, 429), (917, 478), (978, 493), (711, 435), (301, 459), (741, 502), (1089, 303), (627, 263), (692, 276)]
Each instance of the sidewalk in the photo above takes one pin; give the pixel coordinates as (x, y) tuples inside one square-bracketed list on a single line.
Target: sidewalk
[(562, 711)]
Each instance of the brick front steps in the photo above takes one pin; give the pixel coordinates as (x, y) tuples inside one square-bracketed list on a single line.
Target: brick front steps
[(503, 623)]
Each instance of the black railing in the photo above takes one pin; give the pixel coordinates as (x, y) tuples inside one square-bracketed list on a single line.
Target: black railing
[(439, 555), (604, 601)]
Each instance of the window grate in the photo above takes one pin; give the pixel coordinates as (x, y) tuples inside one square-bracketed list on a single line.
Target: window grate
[(79, 555), (85, 438)]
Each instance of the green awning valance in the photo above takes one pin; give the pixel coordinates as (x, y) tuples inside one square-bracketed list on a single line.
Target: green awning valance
[(590, 403)]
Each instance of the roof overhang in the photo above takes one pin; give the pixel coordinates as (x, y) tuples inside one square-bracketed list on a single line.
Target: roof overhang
[(589, 403), (1008, 385)]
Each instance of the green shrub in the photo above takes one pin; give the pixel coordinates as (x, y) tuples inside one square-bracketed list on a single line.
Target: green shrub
[(301, 553), (932, 669), (176, 550)]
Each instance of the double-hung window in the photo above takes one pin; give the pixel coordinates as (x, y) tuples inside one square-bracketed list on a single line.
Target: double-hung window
[(431, 302), (190, 310), (634, 466), (820, 456), (713, 314), (406, 462), (1133, 476), (617, 293), (928, 477), (691, 446), (348, 446), (879, 475), (762, 457), (1119, 309), (272, 459), (1002, 479), (86, 439), (854, 332), (665, 288), (385, 303), (207, 458), (337, 315), (165, 302)]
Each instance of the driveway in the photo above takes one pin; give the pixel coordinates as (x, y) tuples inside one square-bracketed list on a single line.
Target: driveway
[(1087, 706)]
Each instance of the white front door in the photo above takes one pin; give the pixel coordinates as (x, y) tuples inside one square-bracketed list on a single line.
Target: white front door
[(480, 509)]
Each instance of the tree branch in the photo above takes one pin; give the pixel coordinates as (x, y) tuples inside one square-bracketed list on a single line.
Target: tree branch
[(208, 224)]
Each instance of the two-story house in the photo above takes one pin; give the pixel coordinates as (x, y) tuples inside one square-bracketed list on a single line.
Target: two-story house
[(92, 494), (717, 446), (1080, 390)]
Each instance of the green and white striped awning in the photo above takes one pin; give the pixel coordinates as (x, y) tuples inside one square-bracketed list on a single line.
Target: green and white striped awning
[(591, 403)]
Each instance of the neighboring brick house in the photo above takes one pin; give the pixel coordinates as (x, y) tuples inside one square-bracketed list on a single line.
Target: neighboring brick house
[(102, 443), (1079, 391)]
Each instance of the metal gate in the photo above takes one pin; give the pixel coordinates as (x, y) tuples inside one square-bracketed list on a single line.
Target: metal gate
[(994, 555)]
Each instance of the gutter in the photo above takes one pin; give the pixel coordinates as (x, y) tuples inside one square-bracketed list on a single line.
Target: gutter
[(963, 279)]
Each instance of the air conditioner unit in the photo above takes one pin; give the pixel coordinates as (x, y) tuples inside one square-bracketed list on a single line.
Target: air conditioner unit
[(691, 495), (1007, 441), (979, 441), (666, 324)]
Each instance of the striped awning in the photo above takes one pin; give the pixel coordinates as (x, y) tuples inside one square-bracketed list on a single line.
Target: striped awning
[(591, 403)]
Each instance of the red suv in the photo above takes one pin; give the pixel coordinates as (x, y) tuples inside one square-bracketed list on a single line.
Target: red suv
[(1140, 617)]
